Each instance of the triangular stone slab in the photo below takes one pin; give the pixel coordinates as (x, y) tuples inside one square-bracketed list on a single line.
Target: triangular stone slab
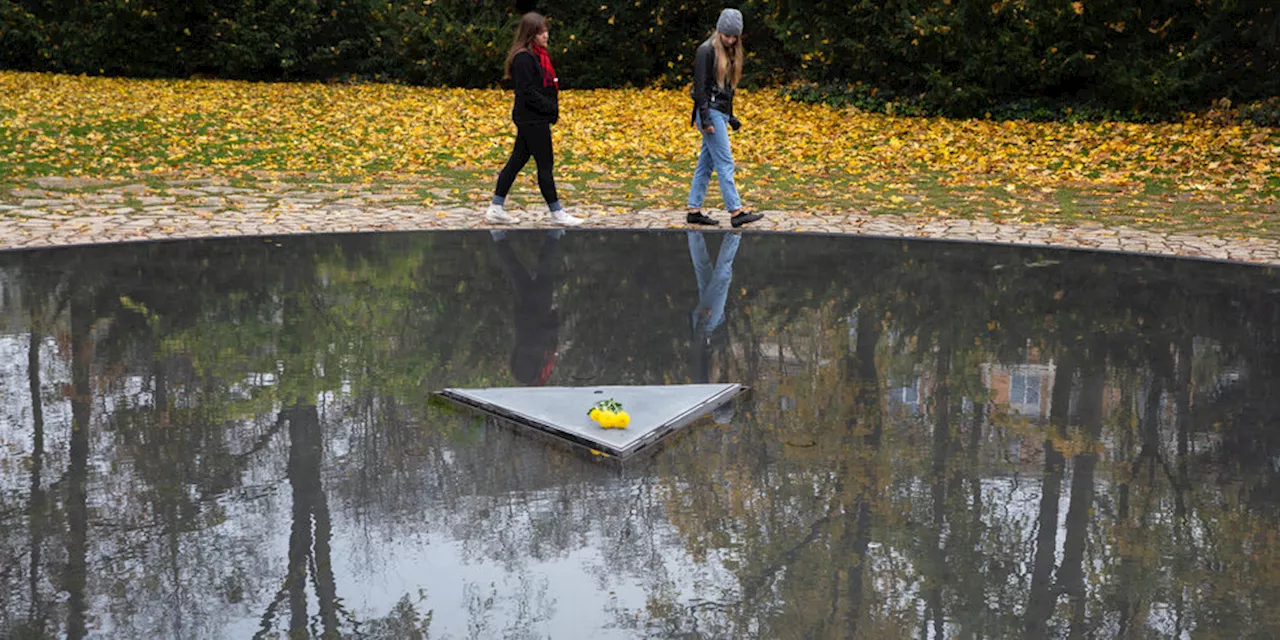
[(656, 411)]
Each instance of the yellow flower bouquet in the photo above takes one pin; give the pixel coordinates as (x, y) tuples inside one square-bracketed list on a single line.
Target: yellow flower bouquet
[(609, 414)]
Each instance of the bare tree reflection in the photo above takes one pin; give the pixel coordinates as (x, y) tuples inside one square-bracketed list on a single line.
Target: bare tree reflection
[(232, 421), (74, 580)]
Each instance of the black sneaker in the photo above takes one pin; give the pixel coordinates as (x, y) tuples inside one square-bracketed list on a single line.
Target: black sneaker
[(744, 216), (698, 217)]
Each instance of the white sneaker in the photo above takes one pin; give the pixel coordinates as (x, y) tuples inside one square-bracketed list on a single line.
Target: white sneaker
[(562, 217), (497, 215)]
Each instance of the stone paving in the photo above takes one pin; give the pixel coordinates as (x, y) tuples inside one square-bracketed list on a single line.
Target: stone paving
[(69, 211)]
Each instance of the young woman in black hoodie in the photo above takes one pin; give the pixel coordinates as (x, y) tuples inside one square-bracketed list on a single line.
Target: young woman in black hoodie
[(536, 108)]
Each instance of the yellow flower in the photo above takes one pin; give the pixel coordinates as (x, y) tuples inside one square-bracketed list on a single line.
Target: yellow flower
[(610, 418)]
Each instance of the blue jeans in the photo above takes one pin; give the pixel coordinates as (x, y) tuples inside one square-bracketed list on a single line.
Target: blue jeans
[(716, 155), (713, 280)]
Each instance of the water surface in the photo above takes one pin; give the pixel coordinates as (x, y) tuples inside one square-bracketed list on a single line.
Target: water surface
[(237, 438)]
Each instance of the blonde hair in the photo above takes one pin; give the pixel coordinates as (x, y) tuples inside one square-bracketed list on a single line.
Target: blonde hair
[(728, 62)]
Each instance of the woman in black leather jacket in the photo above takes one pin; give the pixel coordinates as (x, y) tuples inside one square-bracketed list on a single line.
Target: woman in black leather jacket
[(717, 69)]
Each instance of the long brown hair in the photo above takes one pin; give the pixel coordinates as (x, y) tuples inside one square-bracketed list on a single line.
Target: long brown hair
[(728, 61), (531, 24)]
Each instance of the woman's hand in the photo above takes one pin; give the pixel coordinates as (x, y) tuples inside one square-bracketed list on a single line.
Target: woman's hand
[(709, 129)]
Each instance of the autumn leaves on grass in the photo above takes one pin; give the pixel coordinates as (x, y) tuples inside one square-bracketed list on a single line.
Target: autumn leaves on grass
[(103, 127)]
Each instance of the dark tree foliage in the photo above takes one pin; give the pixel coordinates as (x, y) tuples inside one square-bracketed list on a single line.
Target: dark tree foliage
[(958, 57)]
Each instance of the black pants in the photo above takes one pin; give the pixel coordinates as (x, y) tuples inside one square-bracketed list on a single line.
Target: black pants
[(531, 140)]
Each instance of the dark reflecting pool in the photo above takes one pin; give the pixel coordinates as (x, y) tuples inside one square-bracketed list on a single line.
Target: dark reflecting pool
[(236, 439)]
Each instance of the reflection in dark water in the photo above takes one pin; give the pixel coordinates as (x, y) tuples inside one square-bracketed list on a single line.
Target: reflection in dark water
[(235, 439), (537, 324), (714, 279)]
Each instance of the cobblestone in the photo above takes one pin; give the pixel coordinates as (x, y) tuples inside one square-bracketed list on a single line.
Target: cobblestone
[(69, 211)]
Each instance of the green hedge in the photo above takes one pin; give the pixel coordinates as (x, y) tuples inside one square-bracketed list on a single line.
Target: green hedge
[(971, 56), (959, 57)]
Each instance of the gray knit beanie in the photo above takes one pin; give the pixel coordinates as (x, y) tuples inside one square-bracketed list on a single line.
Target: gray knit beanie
[(730, 22)]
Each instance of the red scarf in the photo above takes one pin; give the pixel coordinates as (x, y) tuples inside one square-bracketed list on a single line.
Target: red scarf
[(549, 78)]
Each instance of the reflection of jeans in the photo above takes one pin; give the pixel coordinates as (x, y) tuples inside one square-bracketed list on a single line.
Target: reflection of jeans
[(716, 155), (713, 280)]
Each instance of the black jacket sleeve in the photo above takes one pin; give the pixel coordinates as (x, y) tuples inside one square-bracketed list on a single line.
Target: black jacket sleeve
[(704, 75), (527, 76)]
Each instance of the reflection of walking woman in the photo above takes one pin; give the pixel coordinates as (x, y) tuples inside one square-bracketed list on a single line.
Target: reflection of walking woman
[(717, 68), (714, 279), (536, 108), (537, 322)]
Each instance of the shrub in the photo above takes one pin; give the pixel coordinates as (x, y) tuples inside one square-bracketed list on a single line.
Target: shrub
[(1018, 58)]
